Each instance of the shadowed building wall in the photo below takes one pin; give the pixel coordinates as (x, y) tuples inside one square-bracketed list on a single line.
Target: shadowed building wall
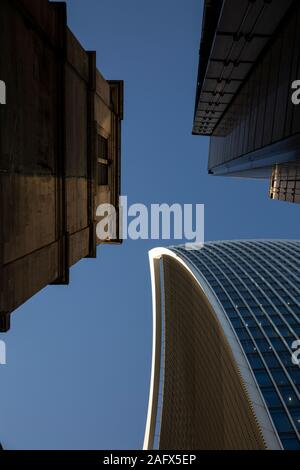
[(60, 150)]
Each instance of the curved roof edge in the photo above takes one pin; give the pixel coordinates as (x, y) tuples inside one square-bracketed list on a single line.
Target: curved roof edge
[(256, 399)]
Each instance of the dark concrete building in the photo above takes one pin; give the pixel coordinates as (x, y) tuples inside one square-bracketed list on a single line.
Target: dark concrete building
[(249, 61), (60, 141), (226, 321)]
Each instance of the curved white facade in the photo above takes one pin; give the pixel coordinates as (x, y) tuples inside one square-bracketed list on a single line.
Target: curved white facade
[(185, 260)]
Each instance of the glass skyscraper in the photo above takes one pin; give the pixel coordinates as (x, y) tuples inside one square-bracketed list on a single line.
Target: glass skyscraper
[(249, 59), (226, 320)]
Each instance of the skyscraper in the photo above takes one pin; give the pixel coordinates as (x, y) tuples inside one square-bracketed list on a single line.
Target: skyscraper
[(225, 321), (60, 150), (249, 69)]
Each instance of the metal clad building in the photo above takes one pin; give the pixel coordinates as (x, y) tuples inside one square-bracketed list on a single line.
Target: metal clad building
[(249, 58), (60, 138), (225, 319)]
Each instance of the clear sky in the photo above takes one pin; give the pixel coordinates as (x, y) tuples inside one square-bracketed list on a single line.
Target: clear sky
[(79, 356)]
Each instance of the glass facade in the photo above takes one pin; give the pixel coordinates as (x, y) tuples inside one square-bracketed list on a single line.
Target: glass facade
[(258, 285)]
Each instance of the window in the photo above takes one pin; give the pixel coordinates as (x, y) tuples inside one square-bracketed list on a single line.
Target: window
[(290, 443), (271, 397), (255, 361), (103, 161), (248, 346), (250, 322), (297, 330), (226, 304), (281, 421), (295, 374), (242, 333), (263, 345), (263, 378), (278, 345), (271, 360), (270, 332), (291, 319), (256, 332), (296, 417), (286, 358), (289, 396), (280, 377), (237, 323)]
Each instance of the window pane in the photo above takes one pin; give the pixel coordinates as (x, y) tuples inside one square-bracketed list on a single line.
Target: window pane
[(102, 174), (281, 421), (102, 147)]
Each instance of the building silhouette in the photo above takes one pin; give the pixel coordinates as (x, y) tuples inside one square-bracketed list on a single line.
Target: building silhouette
[(225, 318), (249, 61), (60, 148)]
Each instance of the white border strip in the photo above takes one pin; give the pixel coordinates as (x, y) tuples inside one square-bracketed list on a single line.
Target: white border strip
[(261, 412)]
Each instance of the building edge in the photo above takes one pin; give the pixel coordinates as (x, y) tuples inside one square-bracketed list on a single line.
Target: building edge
[(256, 400)]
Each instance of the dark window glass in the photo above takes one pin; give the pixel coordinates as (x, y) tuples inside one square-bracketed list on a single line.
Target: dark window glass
[(103, 161), (291, 319), (250, 321), (276, 301), (295, 413), (255, 361), (263, 378), (237, 323), (297, 330), (278, 321), (263, 321), (242, 333), (263, 345), (271, 397), (270, 331), (232, 314), (278, 344), (271, 360), (252, 303), (227, 304), (102, 174), (280, 377), (284, 331), (290, 443), (102, 147), (248, 346), (281, 421), (257, 310), (289, 396), (295, 374), (256, 332), (243, 311), (270, 310), (286, 358), (283, 310), (222, 296)]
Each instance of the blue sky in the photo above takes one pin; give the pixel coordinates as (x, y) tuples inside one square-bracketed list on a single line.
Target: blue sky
[(79, 356)]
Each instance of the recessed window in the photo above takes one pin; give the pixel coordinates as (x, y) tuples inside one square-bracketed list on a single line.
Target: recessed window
[(263, 378), (281, 421), (103, 161), (255, 361), (102, 174)]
